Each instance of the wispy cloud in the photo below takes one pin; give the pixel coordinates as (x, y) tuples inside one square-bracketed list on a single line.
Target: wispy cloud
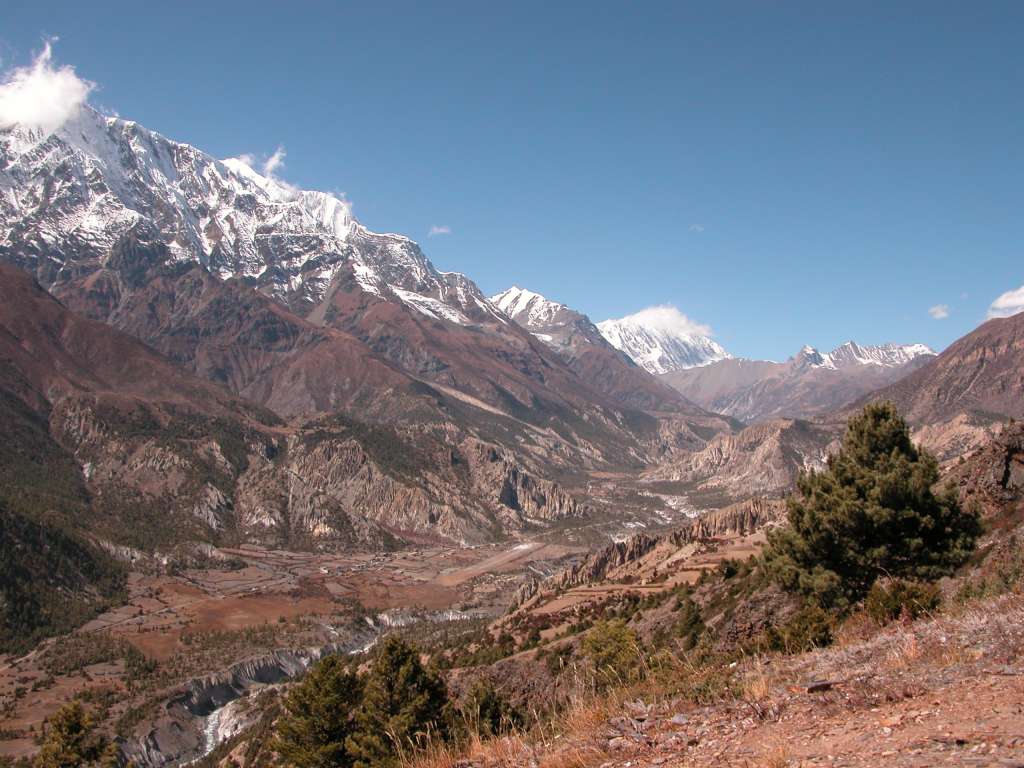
[(1009, 303), (667, 318), (275, 162), (270, 167), (41, 96), (939, 311), (439, 229), (696, 227)]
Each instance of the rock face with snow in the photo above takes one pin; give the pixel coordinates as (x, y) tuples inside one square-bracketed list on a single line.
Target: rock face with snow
[(659, 340), (70, 196), (581, 344), (851, 355), (808, 384)]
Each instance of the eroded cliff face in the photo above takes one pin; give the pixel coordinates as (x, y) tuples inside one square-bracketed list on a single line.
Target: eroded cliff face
[(993, 476), (739, 519), (761, 459), (326, 488), (497, 475), (643, 555), (195, 719)]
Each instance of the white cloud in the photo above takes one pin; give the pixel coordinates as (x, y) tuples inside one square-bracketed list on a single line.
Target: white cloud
[(436, 230), (939, 311), (1009, 303), (274, 162), (696, 227), (268, 167), (669, 319), (41, 96)]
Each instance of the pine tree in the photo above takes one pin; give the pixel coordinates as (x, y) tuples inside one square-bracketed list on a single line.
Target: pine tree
[(871, 513), (70, 740), (318, 717), (402, 703)]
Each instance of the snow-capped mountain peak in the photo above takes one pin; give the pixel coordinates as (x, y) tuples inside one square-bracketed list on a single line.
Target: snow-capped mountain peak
[(885, 355), (853, 354), (529, 309), (81, 188), (662, 339)]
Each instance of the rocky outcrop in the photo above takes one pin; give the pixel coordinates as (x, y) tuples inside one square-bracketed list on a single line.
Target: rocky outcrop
[(599, 564), (180, 733), (643, 552), (327, 488), (993, 476), (761, 459), (740, 519), (498, 476)]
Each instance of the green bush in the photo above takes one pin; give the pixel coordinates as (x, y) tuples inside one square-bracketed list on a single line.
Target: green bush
[(70, 740), (487, 712), (871, 513), (689, 626), (614, 652), (890, 599)]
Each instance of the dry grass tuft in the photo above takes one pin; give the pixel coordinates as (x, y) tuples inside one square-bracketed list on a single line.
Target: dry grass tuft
[(904, 652), (777, 756), (757, 686)]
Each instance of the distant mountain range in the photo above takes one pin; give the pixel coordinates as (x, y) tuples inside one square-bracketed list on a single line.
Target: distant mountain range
[(660, 341), (808, 384), (194, 353)]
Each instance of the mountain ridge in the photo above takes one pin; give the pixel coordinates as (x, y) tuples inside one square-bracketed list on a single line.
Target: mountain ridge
[(809, 384)]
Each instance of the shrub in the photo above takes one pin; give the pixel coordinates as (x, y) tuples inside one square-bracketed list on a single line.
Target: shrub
[(810, 627), (70, 740), (871, 513), (614, 652), (690, 625), (890, 599), (487, 712)]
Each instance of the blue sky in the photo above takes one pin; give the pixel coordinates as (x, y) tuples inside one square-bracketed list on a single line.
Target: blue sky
[(786, 173)]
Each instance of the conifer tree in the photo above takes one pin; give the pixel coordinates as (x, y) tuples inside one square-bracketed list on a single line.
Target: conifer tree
[(871, 513), (318, 717), (70, 740), (403, 702)]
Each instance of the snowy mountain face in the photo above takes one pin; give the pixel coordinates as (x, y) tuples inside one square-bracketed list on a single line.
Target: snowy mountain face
[(70, 195), (582, 346), (852, 354), (659, 347), (553, 323)]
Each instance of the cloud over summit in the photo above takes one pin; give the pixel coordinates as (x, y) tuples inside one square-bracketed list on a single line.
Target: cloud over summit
[(668, 319), (41, 96)]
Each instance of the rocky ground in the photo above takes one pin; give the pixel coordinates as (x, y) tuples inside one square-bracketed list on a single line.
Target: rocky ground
[(941, 691)]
